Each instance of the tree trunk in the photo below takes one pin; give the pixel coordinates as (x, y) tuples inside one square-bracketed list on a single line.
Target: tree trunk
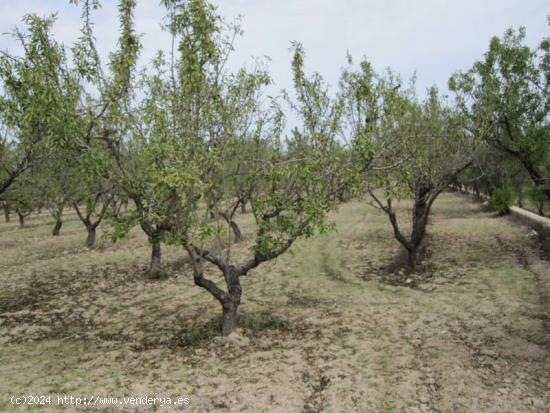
[(419, 227), (90, 240), (412, 256), (236, 231), (6, 213), (535, 175), (229, 318), (57, 214), (57, 227), (243, 207), (210, 210), (231, 304), (229, 300), (21, 220), (421, 212), (155, 265), (476, 192)]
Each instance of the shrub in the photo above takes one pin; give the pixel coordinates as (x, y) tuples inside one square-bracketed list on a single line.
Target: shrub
[(265, 320), (539, 198), (201, 333), (501, 200)]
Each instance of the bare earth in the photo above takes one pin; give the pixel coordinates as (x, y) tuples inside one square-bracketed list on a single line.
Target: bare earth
[(326, 328)]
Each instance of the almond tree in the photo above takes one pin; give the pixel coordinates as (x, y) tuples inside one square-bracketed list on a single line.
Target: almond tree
[(22, 199), (26, 194), (90, 122), (420, 148), (49, 107), (506, 97), (183, 152), (123, 128), (57, 183), (91, 205), (38, 94), (291, 195)]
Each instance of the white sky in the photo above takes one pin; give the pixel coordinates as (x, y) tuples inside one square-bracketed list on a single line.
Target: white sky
[(432, 37)]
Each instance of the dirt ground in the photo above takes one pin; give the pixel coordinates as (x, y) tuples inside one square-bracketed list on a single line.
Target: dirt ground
[(325, 328)]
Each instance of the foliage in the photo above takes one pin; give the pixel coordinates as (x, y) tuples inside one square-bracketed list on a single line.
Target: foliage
[(265, 320), (506, 96), (501, 200), (188, 141), (199, 334), (38, 94), (539, 198), (410, 149)]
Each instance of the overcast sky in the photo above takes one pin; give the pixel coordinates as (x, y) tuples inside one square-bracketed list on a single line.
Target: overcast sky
[(432, 37)]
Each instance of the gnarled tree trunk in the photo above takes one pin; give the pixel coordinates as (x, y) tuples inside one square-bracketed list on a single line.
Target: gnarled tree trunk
[(231, 305), (86, 218), (90, 239), (412, 257), (57, 227), (154, 234), (421, 210), (423, 199), (156, 254), (229, 318), (57, 214), (229, 300)]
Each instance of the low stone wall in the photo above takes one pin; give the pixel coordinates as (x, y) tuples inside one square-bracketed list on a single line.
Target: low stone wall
[(538, 223)]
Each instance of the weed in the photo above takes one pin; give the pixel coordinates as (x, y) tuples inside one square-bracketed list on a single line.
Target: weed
[(199, 334), (265, 320)]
